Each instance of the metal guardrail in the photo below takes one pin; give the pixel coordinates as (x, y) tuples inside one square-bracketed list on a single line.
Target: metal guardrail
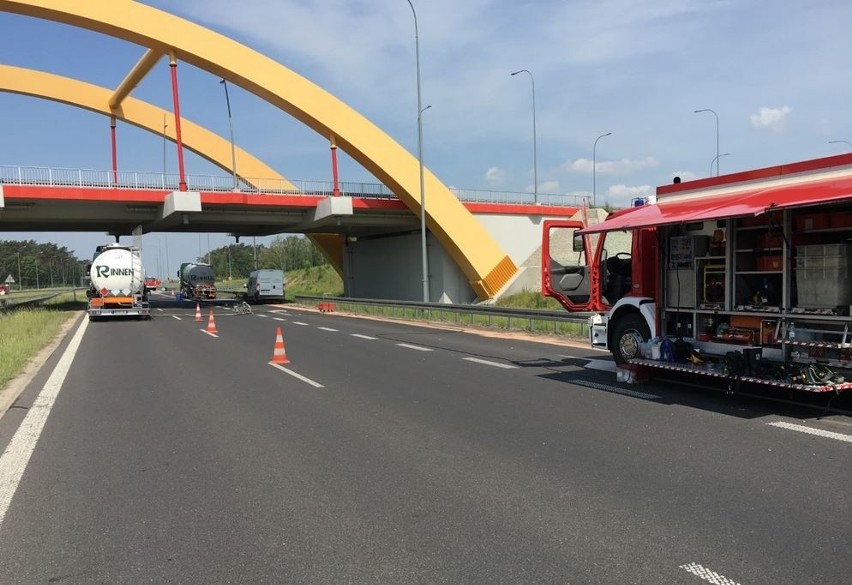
[(15, 301), (495, 316), (107, 179)]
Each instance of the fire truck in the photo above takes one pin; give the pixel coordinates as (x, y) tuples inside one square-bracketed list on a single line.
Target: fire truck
[(746, 277)]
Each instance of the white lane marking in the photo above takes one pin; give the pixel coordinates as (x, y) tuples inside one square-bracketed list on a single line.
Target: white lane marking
[(417, 347), (295, 375), (601, 365), (208, 333), (810, 431), (14, 460), (573, 357), (261, 315), (279, 319), (359, 335), (298, 323), (487, 363), (707, 574), (160, 310), (615, 389), (327, 329), (176, 317)]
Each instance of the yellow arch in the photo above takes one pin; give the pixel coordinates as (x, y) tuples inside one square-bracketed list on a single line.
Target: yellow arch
[(195, 138), (141, 114), (486, 266)]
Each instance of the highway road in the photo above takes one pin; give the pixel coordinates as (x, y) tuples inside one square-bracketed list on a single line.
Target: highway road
[(387, 452)]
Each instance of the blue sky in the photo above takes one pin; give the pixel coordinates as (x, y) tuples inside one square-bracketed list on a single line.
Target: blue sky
[(778, 74)]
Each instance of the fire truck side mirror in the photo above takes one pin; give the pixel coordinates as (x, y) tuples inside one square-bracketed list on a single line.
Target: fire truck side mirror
[(578, 245)]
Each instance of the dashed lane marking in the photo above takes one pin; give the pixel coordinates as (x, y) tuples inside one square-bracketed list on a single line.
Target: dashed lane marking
[(261, 315), (707, 574), (279, 319), (360, 336), (615, 390), (298, 323), (296, 375), (327, 329), (600, 365), (208, 333), (811, 431), (176, 317), (416, 347), (488, 363)]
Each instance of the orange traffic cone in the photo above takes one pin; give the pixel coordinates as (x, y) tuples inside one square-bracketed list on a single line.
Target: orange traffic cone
[(211, 323), (279, 354), (197, 312)]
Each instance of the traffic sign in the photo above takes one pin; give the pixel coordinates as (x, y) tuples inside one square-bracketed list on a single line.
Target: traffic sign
[(10, 280)]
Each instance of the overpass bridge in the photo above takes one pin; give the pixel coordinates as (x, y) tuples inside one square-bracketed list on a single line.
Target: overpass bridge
[(375, 231), (372, 241)]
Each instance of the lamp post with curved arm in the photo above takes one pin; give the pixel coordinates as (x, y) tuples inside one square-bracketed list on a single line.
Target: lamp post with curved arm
[(423, 252), (716, 160), (535, 141), (231, 130), (595, 166), (717, 136), (846, 142)]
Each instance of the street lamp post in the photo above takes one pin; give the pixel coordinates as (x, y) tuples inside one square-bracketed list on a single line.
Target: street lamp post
[(231, 130), (717, 136), (535, 140), (420, 109), (716, 160), (164, 150), (595, 166), (841, 142)]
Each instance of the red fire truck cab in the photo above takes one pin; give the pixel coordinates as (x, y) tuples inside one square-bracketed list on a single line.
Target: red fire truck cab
[(746, 276)]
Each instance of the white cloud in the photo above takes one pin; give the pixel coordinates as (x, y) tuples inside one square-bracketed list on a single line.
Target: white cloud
[(549, 187), (772, 118), (625, 165), (621, 195), (495, 176)]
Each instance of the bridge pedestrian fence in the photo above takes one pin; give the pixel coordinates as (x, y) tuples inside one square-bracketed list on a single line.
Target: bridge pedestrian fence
[(574, 325), (107, 179)]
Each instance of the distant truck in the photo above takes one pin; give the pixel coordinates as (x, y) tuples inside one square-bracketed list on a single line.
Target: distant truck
[(152, 283), (265, 285), (117, 283), (197, 281)]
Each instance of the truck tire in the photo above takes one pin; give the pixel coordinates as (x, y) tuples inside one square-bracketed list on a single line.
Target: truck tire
[(628, 333)]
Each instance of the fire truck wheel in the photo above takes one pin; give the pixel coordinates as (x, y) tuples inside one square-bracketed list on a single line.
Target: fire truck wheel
[(630, 331)]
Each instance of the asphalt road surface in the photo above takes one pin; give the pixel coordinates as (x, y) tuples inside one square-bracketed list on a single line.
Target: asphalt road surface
[(393, 453)]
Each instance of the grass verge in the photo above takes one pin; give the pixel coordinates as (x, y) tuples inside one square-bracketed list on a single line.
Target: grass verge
[(25, 331)]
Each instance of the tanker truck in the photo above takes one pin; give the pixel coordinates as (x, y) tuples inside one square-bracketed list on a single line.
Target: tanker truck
[(117, 283), (197, 281)]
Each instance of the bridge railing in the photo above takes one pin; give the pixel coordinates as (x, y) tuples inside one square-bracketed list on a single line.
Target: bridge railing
[(107, 179)]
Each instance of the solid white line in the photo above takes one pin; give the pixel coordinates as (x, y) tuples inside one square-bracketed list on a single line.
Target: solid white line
[(487, 363), (327, 329), (359, 335), (295, 375), (298, 323), (208, 333), (417, 347), (810, 431), (707, 574), (14, 460), (176, 317)]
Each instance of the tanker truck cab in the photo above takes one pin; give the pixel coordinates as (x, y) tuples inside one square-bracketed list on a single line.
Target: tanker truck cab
[(265, 285)]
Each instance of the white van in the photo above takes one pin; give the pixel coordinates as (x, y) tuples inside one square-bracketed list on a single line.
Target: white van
[(265, 285)]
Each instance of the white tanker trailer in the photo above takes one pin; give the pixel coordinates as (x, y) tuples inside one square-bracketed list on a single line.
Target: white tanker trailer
[(117, 283)]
